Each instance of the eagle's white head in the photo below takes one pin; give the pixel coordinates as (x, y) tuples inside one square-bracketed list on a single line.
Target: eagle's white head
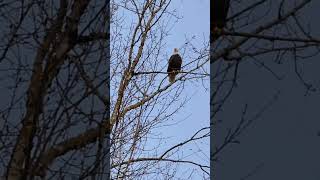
[(175, 51)]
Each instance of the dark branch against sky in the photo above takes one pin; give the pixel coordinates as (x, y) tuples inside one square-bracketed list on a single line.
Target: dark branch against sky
[(283, 142)]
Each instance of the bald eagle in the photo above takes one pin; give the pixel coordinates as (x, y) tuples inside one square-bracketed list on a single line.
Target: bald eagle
[(174, 65), (218, 17)]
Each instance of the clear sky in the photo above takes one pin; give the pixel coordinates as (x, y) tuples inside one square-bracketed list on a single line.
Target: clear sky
[(196, 114), (188, 26), (195, 21)]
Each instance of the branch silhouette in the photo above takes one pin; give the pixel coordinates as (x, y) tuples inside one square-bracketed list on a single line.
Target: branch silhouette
[(160, 72)]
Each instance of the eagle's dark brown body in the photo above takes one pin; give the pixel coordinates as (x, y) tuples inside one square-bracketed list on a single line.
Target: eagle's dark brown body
[(218, 18), (174, 66)]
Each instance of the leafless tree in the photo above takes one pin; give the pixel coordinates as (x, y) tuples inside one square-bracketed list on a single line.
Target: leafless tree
[(266, 33), (54, 75), (142, 97), (55, 106), (57, 118)]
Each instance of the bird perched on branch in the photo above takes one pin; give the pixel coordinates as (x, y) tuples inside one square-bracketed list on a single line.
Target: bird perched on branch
[(219, 14), (174, 65)]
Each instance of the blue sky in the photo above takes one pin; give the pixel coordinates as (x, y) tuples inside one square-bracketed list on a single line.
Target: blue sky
[(196, 114), (195, 21)]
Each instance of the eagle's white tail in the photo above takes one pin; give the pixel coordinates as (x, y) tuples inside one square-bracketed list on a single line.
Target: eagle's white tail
[(172, 77)]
